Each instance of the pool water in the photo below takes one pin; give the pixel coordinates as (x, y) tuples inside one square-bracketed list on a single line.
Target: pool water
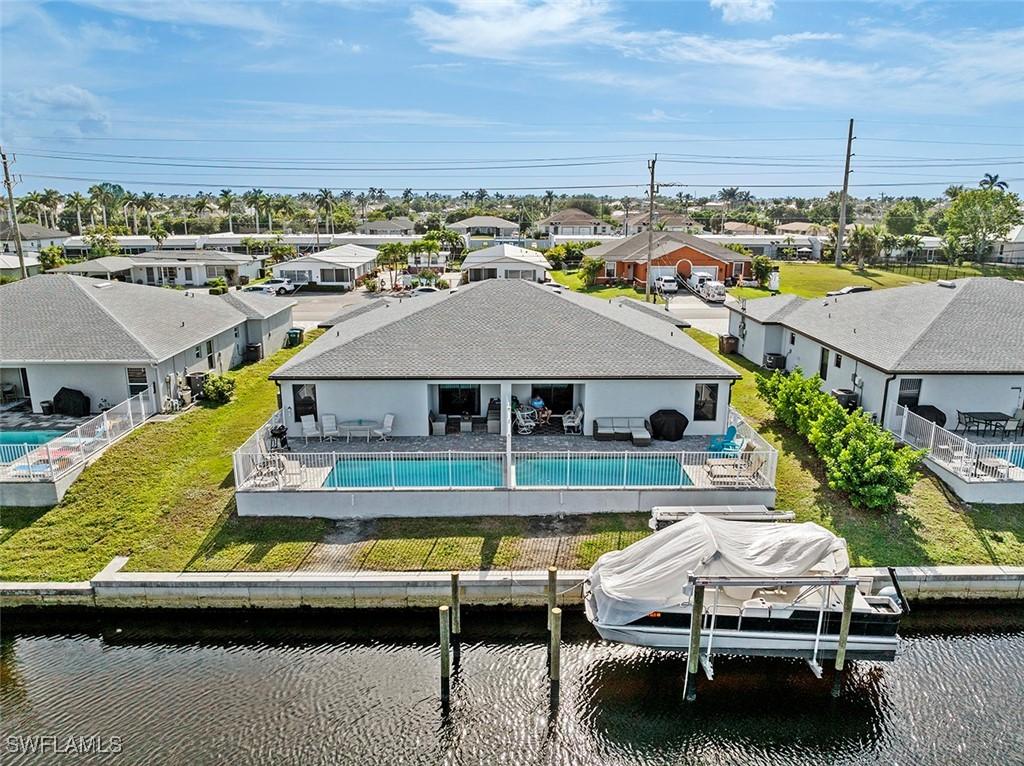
[(602, 471), (613, 470), (28, 437)]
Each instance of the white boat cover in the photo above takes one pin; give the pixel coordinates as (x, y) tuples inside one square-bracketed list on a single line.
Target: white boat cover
[(652, 574)]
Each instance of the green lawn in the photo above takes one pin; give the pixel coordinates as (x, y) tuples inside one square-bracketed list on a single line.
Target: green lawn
[(930, 527), (163, 494), (571, 280), (813, 280)]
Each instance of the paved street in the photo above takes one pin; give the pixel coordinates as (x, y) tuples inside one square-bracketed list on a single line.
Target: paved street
[(313, 308), (709, 317)]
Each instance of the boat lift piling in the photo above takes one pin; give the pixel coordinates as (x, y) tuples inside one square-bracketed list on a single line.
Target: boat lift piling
[(844, 634), (446, 659), (552, 592), (456, 617), (693, 656), (555, 654)]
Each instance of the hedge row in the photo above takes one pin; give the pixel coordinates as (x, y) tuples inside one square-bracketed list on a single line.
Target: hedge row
[(861, 458)]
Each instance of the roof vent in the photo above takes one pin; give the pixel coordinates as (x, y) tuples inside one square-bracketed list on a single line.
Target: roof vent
[(946, 283)]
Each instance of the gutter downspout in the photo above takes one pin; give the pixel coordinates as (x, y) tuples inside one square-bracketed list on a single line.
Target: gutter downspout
[(885, 397)]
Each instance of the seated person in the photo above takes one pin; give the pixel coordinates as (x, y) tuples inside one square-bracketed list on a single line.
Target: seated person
[(537, 403), (543, 414)]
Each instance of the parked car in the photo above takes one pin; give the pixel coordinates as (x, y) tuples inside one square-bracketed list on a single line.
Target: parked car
[(253, 289), (422, 289), (849, 289), (279, 286), (666, 284)]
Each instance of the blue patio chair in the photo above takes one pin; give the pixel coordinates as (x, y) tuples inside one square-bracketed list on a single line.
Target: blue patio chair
[(725, 442)]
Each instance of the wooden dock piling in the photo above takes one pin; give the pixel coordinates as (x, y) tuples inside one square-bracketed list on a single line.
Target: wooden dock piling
[(456, 608), (552, 591), (446, 658), (693, 658), (844, 633), (555, 652)]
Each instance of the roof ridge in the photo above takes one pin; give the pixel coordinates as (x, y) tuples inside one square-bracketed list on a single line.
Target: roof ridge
[(79, 283), (928, 325)]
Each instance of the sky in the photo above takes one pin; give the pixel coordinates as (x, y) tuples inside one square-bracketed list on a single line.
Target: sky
[(516, 96)]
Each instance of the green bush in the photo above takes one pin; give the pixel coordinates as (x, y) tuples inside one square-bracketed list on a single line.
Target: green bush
[(218, 290), (860, 457), (442, 284), (218, 389)]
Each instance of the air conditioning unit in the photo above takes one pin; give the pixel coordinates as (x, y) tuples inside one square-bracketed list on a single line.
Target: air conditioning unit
[(774, 362), (846, 397), (195, 381)]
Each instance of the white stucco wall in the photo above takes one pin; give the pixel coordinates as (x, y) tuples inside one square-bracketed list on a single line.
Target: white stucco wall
[(97, 381), (271, 332), (367, 399), (760, 339), (641, 398)]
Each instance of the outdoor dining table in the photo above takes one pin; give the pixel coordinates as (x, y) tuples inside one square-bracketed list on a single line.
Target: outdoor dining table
[(358, 427), (988, 418)]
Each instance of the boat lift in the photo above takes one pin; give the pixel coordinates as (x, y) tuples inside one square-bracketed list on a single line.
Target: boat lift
[(696, 658)]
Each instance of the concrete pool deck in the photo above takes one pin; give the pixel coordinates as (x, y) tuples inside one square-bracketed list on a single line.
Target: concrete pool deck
[(113, 587)]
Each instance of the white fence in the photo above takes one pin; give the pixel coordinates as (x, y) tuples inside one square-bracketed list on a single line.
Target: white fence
[(47, 462), (968, 460)]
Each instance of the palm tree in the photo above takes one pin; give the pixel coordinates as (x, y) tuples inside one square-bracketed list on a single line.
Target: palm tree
[(990, 181), (159, 234), (51, 199), (202, 203), (407, 196), (549, 200), (729, 195), (147, 203), (910, 244), (33, 202), (254, 199), (284, 206), (100, 198), (889, 242), (389, 255), (226, 202), (953, 191), (362, 199), (325, 201), (863, 243), (77, 202), (480, 195)]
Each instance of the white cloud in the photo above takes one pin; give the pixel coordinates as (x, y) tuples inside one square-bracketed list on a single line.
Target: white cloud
[(348, 47), (71, 109), (246, 17), (503, 29), (97, 37), (337, 116), (737, 11)]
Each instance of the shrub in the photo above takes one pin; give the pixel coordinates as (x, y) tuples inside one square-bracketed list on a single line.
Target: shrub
[(218, 290), (590, 270), (761, 267), (371, 285), (218, 389), (442, 284), (860, 457)]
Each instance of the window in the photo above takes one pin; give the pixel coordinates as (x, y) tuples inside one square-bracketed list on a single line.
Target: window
[(137, 383), (792, 339), (215, 271), (457, 399), (910, 392), (304, 400), (209, 354), (199, 352), (236, 332), (609, 270), (838, 361), (705, 401), (188, 273), (823, 364)]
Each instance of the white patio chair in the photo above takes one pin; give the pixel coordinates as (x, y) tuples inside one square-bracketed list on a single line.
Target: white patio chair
[(384, 432), (329, 427), (309, 427), (572, 421), (524, 424)]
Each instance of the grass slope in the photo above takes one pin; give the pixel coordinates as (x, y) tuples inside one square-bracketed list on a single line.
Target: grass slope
[(571, 280), (163, 494)]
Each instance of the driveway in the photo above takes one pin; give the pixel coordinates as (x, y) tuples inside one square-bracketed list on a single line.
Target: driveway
[(313, 308), (710, 317)]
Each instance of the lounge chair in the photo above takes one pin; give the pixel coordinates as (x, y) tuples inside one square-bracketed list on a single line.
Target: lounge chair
[(725, 442), (639, 433), (384, 432), (438, 424), (604, 430), (744, 472), (524, 424), (309, 427), (329, 428)]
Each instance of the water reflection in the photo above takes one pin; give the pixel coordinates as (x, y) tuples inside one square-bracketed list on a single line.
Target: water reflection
[(363, 687)]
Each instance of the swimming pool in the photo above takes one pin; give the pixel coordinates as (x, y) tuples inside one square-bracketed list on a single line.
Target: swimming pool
[(613, 470), (15, 444)]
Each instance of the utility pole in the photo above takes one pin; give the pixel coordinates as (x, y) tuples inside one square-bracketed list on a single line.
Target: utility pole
[(12, 214), (650, 230), (842, 199)]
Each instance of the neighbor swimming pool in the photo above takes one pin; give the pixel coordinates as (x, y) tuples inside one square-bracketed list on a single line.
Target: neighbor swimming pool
[(15, 444), (613, 470)]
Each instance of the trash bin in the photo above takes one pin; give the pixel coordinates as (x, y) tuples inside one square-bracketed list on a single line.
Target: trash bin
[(727, 344), (46, 407), (295, 336)]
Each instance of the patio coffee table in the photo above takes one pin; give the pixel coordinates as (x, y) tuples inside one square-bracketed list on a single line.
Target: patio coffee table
[(358, 427)]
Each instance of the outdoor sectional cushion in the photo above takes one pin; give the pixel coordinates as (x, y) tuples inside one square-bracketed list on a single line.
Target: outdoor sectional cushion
[(621, 425), (641, 437), (635, 423)]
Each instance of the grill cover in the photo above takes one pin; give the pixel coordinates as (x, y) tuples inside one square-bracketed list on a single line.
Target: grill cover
[(928, 412), (70, 401), (668, 425)]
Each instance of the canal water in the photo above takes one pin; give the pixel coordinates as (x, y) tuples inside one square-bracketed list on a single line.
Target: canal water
[(362, 688)]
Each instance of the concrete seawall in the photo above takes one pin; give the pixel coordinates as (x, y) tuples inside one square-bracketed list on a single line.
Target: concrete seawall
[(112, 587)]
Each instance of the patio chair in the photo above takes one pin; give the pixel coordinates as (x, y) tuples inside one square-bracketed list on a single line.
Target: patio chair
[(309, 427), (604, 430), (329, 428), (524, 424), (572, 421), (438, 424), (725, 442), (745, 472), (384, 432), (963, 422)]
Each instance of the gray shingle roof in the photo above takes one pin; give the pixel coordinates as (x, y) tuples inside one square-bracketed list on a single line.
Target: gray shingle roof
[(769, 310), (256, 305), (508, 329), (483, 221), (60, 317), (975, 327), (106, 265), (571, 215), (654, 311), (634, 248), (351, 312), (31, 231)]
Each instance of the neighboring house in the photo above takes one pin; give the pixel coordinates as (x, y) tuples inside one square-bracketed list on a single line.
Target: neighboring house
[(955, 347), (339, 266), (675, 253), (504, 262), (113, 340), (133, 244), (267, 318), (773, 245), (802, 227), (501, 339), (436, 261), (485, 225), (573, 222), (10, 266), (930, 251), (663, 221), (187, 268), (738, 227), (33, 237), (394, 226), (1011, 248)]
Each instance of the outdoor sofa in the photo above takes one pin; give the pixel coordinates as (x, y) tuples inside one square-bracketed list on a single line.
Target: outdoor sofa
[(622, 429)]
